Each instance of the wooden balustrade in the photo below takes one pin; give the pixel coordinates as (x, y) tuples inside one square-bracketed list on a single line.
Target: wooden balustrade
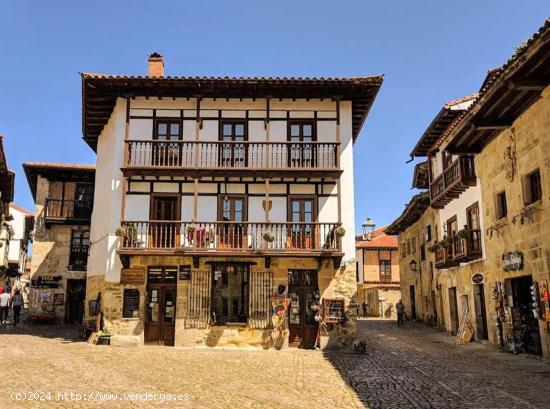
[(454, 180), (461, 250), (68, 209), (233, 236), (232, 155)]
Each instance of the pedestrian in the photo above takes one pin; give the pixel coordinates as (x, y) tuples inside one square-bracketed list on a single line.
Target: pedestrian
[(365, 308), (400, 307), (17, 303), (4, 306)]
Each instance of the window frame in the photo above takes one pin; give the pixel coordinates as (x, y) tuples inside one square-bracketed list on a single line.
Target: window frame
[(72, 254), (167, 120), (528, 197), (384, 271), (501, 205)]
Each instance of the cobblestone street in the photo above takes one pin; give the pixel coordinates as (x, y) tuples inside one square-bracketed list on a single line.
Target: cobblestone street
[(413, 367)]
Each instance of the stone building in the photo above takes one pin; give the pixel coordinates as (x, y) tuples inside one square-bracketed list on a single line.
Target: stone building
[(508, 129), (225, 224), (488, 152), (417, 228), (63, 195), (377, 262), (7, 178)]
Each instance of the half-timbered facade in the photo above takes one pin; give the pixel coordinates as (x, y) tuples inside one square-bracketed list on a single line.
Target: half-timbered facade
[(222, 192)]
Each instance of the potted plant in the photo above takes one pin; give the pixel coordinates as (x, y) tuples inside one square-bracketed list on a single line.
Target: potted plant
[(432, 248), (104, 337), (464, 233), (340, 232), (447, 242), (268, 236), (191, 228)]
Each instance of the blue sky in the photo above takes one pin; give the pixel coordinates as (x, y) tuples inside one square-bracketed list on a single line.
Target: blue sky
[(429, 51)]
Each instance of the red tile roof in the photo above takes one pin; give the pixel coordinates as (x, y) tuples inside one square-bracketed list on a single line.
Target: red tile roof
[(20, 209), (379, 240)]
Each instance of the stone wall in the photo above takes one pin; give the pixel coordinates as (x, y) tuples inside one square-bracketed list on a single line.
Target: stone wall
[(501, 166), (333, 283)]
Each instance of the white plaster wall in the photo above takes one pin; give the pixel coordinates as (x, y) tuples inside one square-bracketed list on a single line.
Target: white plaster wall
[(107, 197), (207, 208), (187, 208), (256, 131), (140, 129), (328, 209), (346, 181), (209, 131), (279, 210), (326, 131), (137, 207), (277, 131), (256, 213)]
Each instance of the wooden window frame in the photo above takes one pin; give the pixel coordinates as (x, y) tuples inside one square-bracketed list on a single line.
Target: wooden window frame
[(170, 120), (221, 199), (448, 224), (386, 263), (501, 211), (469, 211), (155, 196), (313, 198), (528, 198), (80, 232), (301, 122), (232, 122)]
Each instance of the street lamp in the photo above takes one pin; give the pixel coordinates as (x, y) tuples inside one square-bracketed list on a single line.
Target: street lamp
[(412, 264), (368, 227)]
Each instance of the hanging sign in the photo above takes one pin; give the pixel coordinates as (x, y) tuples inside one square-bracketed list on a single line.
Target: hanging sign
[(46, 282), (185, 272), (132, 276), (477, 278), (512, 261)]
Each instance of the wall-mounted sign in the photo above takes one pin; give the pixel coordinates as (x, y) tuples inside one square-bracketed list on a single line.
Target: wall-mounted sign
[(58, 299), (477, 278), (130, 303), (93, 308), (512, 261), (132, 276), (46, 282), (185, 272)]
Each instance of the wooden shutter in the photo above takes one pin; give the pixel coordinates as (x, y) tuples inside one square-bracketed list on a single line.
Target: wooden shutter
[(259, 304), (198, 302)]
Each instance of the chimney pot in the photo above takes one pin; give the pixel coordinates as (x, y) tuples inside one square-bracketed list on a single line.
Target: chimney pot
[(155, 65)]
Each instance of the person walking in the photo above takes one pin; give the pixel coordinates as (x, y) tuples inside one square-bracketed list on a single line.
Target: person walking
[(4, 306), (400, 308), (17, 303), (365, 308)]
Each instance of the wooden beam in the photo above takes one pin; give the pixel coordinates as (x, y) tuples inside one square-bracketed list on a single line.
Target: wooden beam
[(491, 124), (536, 84)]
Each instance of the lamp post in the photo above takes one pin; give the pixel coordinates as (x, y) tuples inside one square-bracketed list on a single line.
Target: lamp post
[(412, 265), (368, 227)]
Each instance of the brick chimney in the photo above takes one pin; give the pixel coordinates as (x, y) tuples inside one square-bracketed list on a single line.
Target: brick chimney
[(155, 65)]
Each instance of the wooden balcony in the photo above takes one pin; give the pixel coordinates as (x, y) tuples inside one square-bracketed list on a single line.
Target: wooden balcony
[(151, 157), (62, 211), (461, 250), (229, 238), (468, 248), (453, 181)]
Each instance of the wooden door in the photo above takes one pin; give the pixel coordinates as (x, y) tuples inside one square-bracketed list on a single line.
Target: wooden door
[(474, 226), (165, 213), (301, 154), (233, 153), (453, 310), (166, 149), (232, 232), (412, 296), (302, 234), (481, 317), (161, 306), (452, 226), (303, 293)]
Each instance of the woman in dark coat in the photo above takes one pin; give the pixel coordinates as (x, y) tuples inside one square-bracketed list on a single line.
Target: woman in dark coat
[(17, 303)]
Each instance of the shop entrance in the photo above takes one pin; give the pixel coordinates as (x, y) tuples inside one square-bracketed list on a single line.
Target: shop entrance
[(161, 305), (453, 310), (524, 323), (481, 315), (76, 293), (303, 292)]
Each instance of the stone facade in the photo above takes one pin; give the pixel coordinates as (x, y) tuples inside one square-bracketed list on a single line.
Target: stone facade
[(529, 143), (423, 281), (339, 284)]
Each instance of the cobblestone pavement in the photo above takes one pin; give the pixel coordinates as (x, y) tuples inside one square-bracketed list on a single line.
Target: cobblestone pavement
[(49, 359), (415, 367), (420, 367)]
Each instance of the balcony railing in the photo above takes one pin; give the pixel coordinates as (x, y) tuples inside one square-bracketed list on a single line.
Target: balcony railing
[(229, 236), (62, 210), (222, 155), (453, 181), (461, 250)]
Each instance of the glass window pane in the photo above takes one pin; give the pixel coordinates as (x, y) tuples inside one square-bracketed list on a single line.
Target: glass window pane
[(294, 130), (308, 205), (239, 129), (227, 129), (295, 206), (175, 129), (307, 130), (162, 128)]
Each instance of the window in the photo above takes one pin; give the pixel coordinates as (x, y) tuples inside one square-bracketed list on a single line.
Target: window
[(385, 271), (80, 242), (408, 247), (167, 130), (532, 187), (230, 292), (427, 233), (501, 205), (301, 153), (232, 153), (422, 252), (403, 250), (302, 211), (166, 149), (130, 303), (413, 245), (472, 217)]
